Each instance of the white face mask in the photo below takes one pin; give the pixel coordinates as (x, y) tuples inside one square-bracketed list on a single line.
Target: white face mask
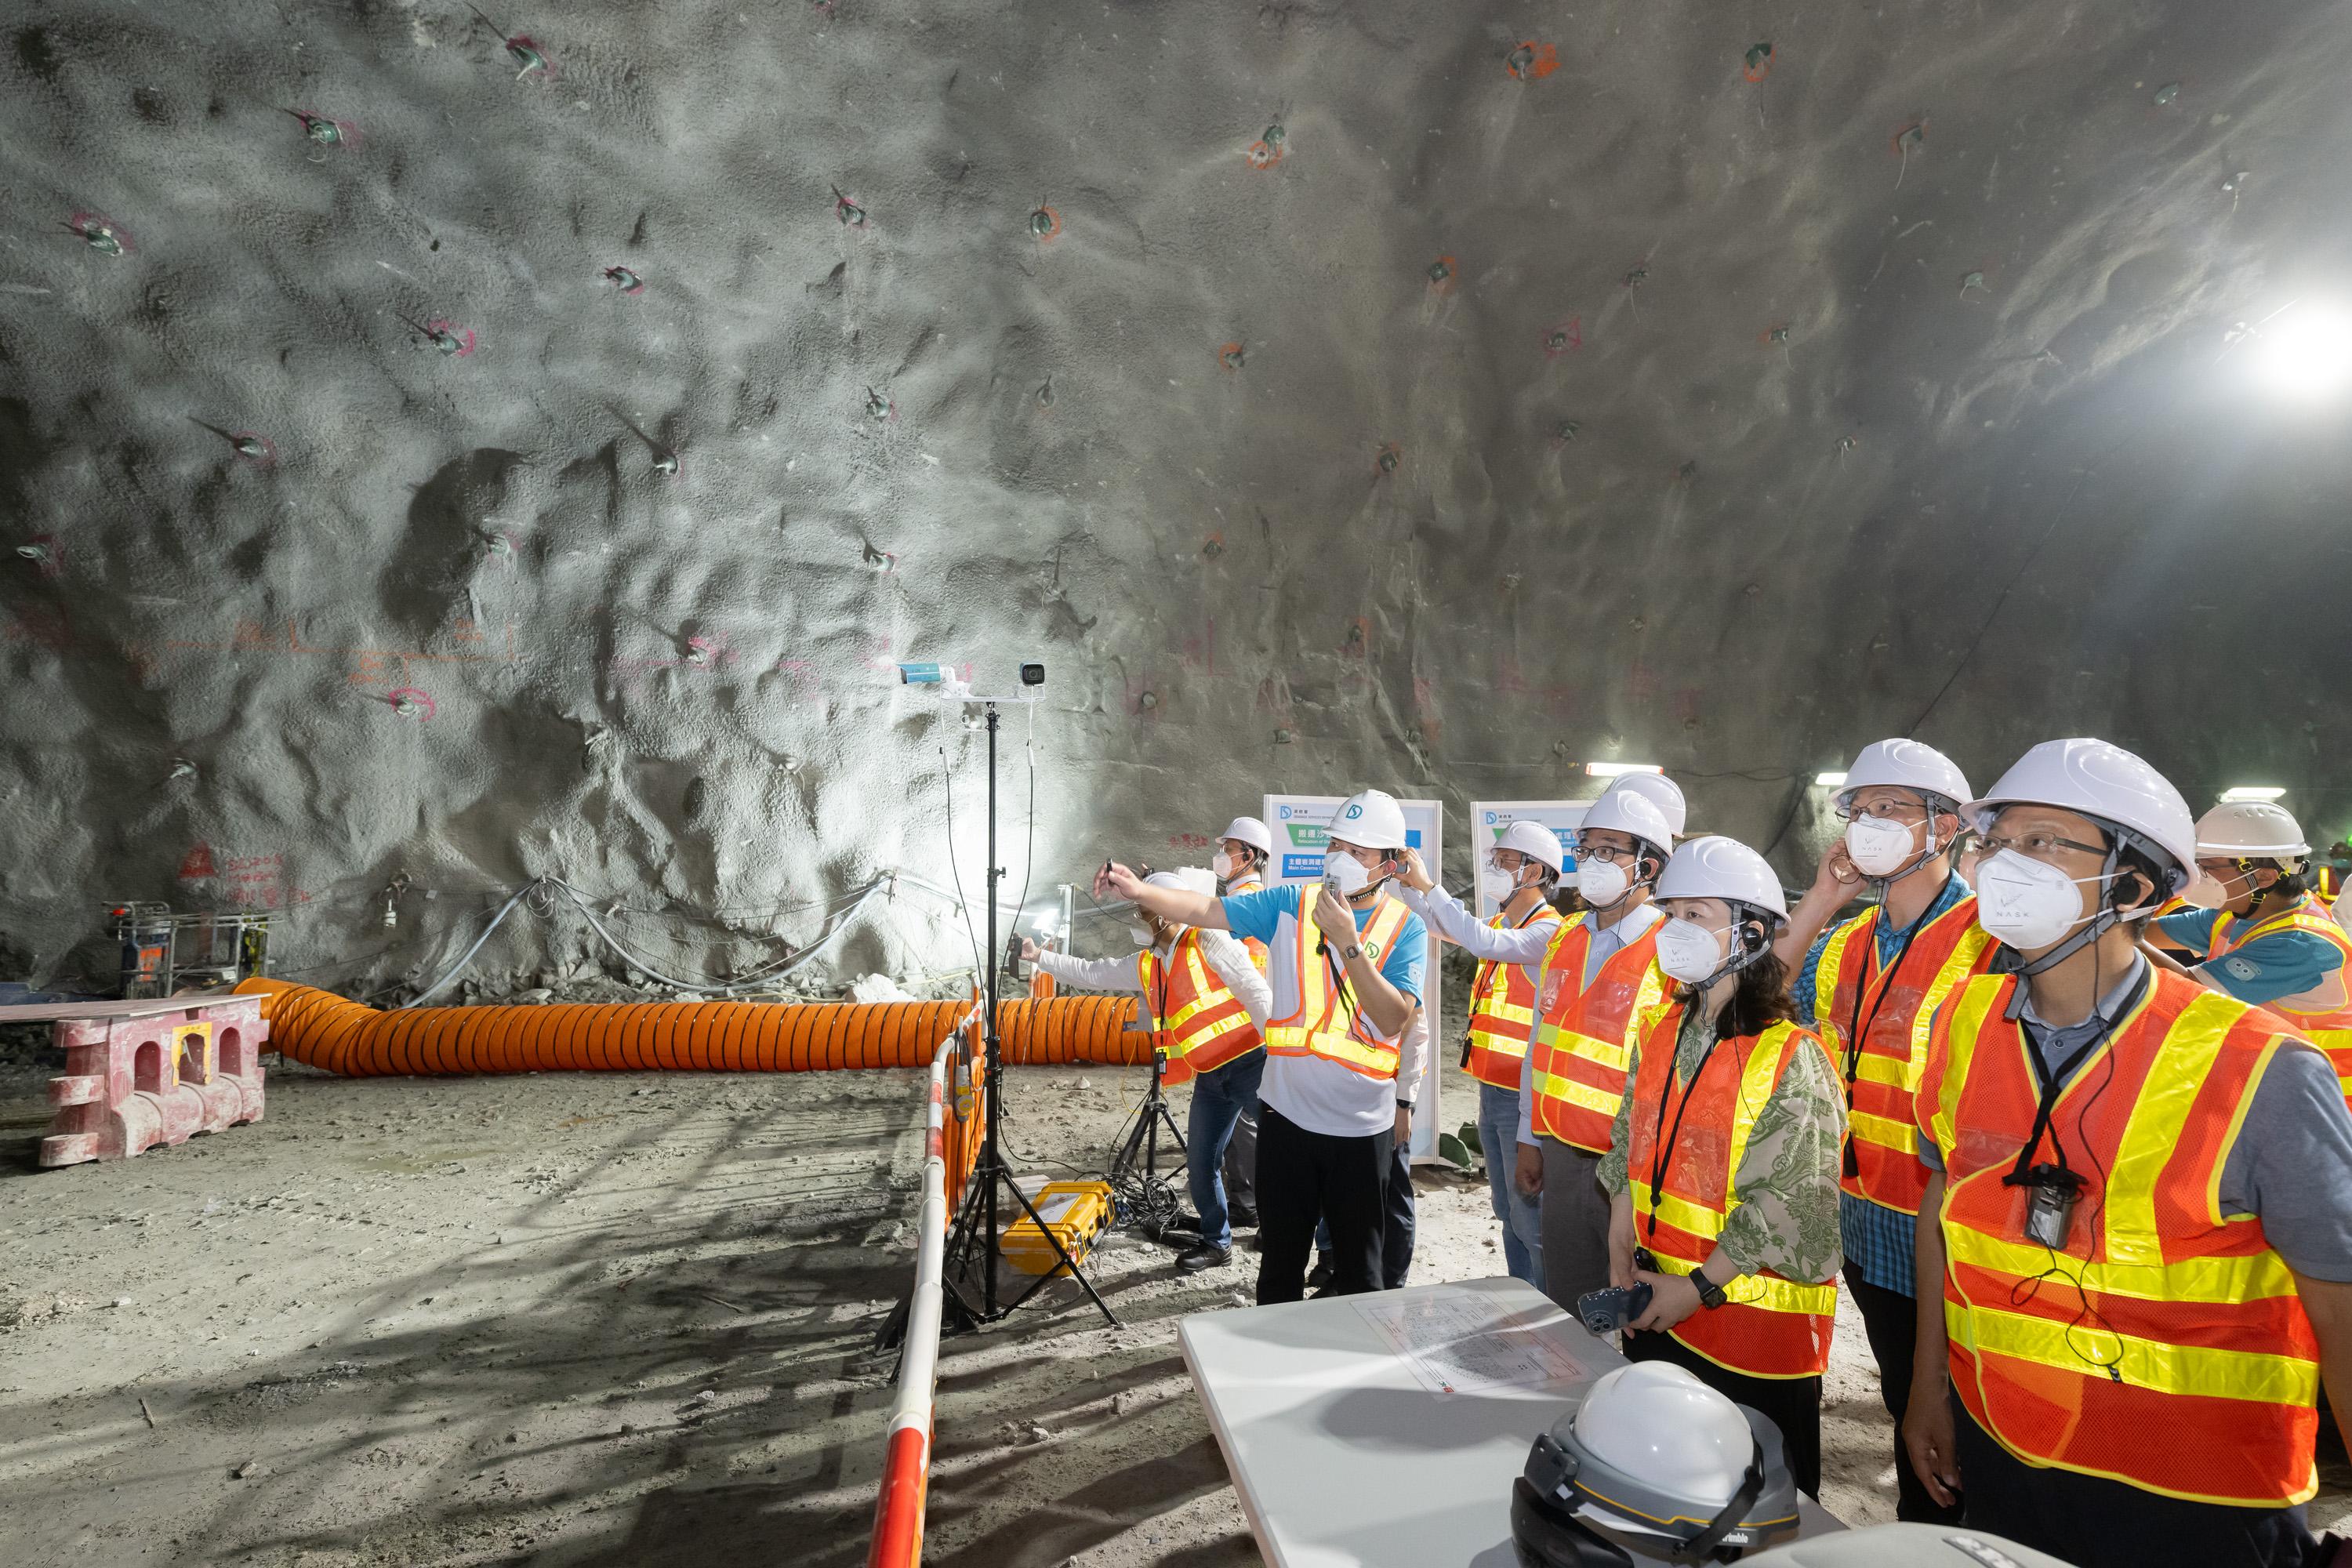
[(1877, 847), (2028, 903), (1223, 865), (1601, 882), (1142, 935), (1499, 885), (1345, 875), (1688, 951)]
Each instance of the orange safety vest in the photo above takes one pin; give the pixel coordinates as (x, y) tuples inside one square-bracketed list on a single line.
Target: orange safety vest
[(1314, 1029), (1771, 1326), (1502, 1014), (2322, 1014), (1202, 1024), (1257, 951), (1583, 1036), (1893, 1011), (2165, 1347)]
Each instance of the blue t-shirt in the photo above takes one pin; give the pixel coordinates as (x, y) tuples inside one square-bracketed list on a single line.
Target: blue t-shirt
[(1254, 917), (2282, 964), (1317, 1095)]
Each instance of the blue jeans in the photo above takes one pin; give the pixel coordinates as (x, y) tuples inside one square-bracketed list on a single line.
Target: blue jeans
[(1522, 1216), (1219, 1098)]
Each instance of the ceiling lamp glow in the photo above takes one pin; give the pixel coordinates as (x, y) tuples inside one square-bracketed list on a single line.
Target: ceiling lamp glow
[(2304, 352), (2252, 792), (1828, 780), (1619, 770)]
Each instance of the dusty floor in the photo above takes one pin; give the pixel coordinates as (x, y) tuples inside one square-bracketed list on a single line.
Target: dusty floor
[(623, 1319)]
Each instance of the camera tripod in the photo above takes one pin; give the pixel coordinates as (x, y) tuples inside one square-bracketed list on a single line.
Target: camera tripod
[(975, 1239), (1147, 1199)]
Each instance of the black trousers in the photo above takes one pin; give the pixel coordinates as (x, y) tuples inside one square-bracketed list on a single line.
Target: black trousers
[(1303, 1177), (2093, 1522), (1892, 1322), (1397, 1221), (1793, 1403)]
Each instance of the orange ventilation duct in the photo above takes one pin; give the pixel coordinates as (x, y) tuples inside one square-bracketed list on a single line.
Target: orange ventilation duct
[(343, 1036)]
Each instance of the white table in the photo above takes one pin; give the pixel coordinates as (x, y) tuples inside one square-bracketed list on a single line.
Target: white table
[(1344, 1453)]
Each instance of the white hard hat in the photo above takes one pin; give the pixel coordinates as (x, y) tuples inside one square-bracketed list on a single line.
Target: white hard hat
[(1371, 820), (1630, 811), (2103, 780), (1659, 791), (1907, 764), (1186, 878), (2250, 830), (1249, 830), (1657, 1421), (1714, 867), (1534, 840)]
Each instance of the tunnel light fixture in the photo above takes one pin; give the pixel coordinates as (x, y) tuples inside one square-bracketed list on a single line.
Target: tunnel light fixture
[(2304, 353), (1619, 770), (2236, 792), (1828, 780)]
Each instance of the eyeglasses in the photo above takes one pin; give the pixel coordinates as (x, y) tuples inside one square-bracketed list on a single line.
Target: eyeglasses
[(1608, 852), (1904, 811), (2037, 845)]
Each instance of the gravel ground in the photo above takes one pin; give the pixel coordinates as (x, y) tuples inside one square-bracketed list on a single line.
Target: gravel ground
[(572, 1319)]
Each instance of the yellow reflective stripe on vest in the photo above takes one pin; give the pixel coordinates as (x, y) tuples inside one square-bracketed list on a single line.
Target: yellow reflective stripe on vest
[(1968, 1010), (1883, 1130), (1826, 972), (1763, 1290), (1555, 1087), (1756, 1082), (2223, 1281), (1507, 1012), (2190, 1048), (2143, 1363)]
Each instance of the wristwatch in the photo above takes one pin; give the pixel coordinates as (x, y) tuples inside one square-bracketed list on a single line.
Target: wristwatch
[(1404, 1105), (1349, 954), (1710, 1294)]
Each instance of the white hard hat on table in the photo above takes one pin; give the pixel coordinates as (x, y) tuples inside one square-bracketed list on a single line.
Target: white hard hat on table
[(1249, 830), (1659, 791), (1369, 820), (1629, 811), (1534, 840), (1907, 764), (2250, 830), (1714, 867), (2098, 778), (1657, 1421)]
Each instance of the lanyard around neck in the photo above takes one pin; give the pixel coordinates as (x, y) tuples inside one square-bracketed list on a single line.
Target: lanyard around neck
[(1662, 1139)]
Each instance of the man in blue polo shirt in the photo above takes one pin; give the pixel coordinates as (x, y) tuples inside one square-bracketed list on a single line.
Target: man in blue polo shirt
[(1345, 959)]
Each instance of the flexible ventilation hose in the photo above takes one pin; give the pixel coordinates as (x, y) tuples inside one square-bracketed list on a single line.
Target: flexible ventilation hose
[(327, 1031)]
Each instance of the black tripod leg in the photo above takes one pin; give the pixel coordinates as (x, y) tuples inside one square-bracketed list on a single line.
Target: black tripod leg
[(1066, 1261)]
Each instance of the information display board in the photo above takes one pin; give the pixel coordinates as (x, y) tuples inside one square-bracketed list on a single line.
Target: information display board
[(1488, 818), (1301, 824)]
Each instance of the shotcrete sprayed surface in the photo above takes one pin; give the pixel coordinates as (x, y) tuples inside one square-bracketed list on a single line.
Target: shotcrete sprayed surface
[(431, 456)]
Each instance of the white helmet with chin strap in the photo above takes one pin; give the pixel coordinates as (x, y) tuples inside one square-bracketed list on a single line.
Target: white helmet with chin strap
[(1661, 792), (1371, 819), (1905, 764), (2028, 903), (1604, 884), (1714, 867), (2250, 830), (1884, 849), (1534, 840), (1249, 830)]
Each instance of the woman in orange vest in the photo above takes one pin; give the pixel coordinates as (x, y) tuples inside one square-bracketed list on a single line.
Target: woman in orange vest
[(2144, 1199), (1521, 871), (1208, 1004), (1722, 1173)]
